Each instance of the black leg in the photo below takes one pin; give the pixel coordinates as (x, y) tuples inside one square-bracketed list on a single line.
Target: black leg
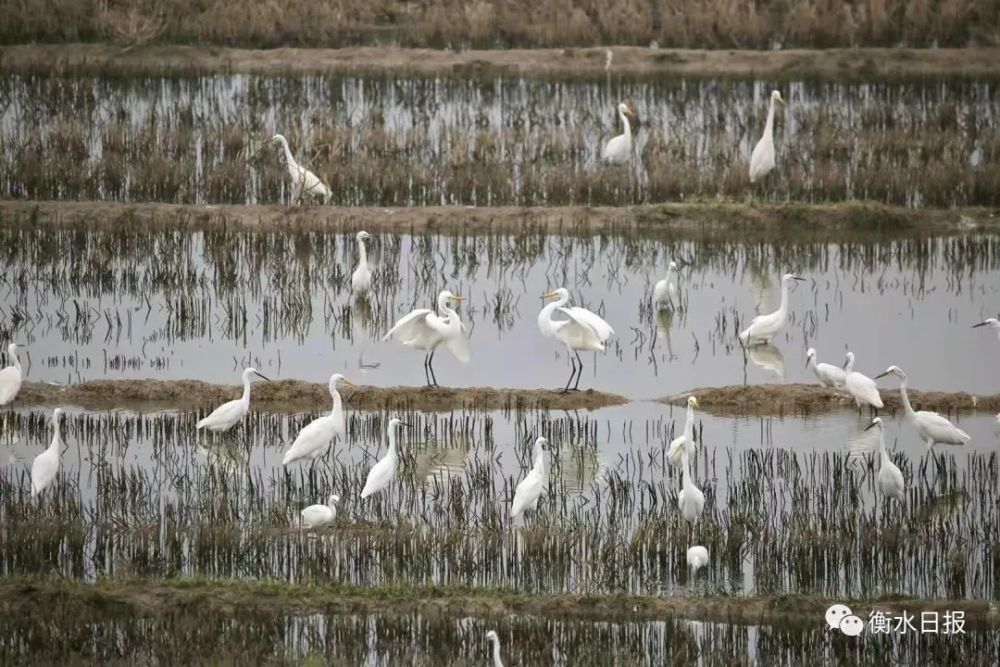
[(579, 372), (430, 364), (571, 374), (427, 376)]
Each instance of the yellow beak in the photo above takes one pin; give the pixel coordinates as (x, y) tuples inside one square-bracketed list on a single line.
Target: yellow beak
[(549, 295), (348, 382), (455, 297)]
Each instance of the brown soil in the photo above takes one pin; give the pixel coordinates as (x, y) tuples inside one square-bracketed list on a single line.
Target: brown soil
[(293, 395), (752, 223), (805, 399), (146, 598), (631, 62)]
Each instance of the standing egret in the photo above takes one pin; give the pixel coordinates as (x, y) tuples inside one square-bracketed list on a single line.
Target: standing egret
[(229, 414), (582, 331), (666, 290), (763, 327), (861, 387), (931, 427), (491, 636), (690, 500), (383, 472), (991, 322), (423, 329), (530, 489), (10, 377), (684, 443), (313, 441), (762, 157), (828, 374), (303, 180), (697, 558), (890, 477), (317, 516), (46, 465), (361, 279), (619, 149)]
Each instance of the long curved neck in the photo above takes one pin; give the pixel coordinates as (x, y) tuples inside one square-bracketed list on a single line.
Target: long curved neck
[(392, 443), (288, 153), (689, 422), (362, 253), (338, 403), (849, 368), (550, 308), (784, 297), (14, 361), (685, 470), (246, 390), (625, 124), (769, 127), (496, 654), (881, 446), (56, 437), (905, 397)]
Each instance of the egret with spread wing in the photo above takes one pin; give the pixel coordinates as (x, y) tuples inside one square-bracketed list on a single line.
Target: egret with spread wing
[(583, 330), (423, 329)]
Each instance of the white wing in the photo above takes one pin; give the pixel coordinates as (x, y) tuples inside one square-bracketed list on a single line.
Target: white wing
[(527, 492), (616, 150), (676, 448), (459, 344), (43, 471), (660, 292), (761, 159), (312, 441), (223, 416), (379, 477), (10, 384), (941, 429), (864, 389), (595, 322), (410, 327), (316, 515)]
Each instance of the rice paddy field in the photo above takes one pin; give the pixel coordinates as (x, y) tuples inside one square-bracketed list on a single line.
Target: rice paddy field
[(150, 250)]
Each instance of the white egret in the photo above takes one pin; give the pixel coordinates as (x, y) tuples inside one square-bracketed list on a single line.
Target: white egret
[(582, 331), (762, 157), (991, 322), (828, 374), (229, 414), (665, 291), (619, 149), (684, 443), (492, 637), (697, 558), (361, 279), (46, 465), (530, 489), (383, 472), (10, 377), (931, 427), (690, 500), (890, 477), (763, 327), (303, 180), (313, 441), (861, 387), (423, 329), (317, 516)]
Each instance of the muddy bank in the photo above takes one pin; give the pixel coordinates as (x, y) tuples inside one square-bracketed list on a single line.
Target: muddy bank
[(570, 63), (806, 399), (699, 221), (148, 598), (294, 395)]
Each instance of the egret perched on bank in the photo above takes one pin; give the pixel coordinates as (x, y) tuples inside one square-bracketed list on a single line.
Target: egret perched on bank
[(763, 327), (423, 329), (931, 427), (10, 377), (317, 516), (229, 414), (828, 374), (665, 291), (697, 557), (991, 322), (684, 443), (303, 180), (313, 441), (582, 331), (619, 149), (383, 472), (46, 465), (690, 500), (361, 279), (762, 157), (492, 637), (530, 489), (890, 477), (861, 387)]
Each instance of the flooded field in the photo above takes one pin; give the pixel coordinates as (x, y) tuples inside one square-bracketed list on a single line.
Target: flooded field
[(498, 141)]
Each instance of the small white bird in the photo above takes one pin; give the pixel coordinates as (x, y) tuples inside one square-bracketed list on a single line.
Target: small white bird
[(991, 322), (531, 488), (317, 516), (665, 291), (762, 157), (46, 465), (583, 330), (229, 414), (828, 374), (303, 180), (890, 477), (684, 443), (10, 377), (313, 441), (697, 558), (763, 327), (383, 472), (423, 329), (492, 637), (860, 386), (931, 427), (690, 500), (619, 149), (361, 279)]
